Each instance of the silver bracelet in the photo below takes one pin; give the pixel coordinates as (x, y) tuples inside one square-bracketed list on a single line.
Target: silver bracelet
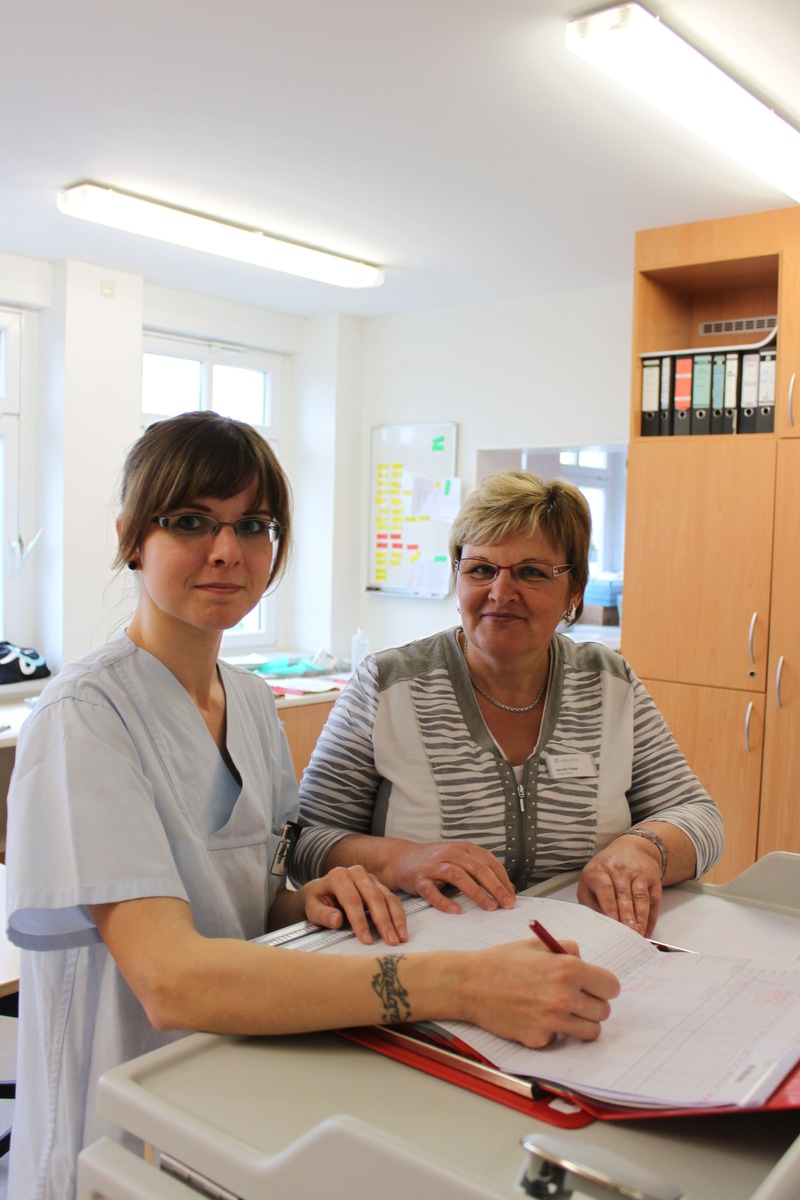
[(656, 840)]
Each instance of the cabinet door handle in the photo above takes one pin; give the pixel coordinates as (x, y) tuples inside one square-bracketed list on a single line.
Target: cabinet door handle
[(747, 717), (751, 639), (789, 401), (778, 673)]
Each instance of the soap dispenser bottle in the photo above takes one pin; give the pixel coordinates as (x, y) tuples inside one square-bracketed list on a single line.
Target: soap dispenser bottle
[(359, 648)]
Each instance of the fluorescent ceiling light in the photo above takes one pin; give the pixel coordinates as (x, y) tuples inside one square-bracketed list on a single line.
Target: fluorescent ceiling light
[(634, 48), (106, 206)]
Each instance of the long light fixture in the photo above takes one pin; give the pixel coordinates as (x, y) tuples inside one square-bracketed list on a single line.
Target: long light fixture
[(642, 54), (119, 210)]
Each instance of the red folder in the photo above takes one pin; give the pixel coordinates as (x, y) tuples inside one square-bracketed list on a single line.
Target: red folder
[(545, 1106), (565, 1109)]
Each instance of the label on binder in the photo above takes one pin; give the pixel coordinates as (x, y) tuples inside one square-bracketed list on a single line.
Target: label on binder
[(765, 415), (717, 392), (731, 392), (651, 383), (701, 394), (665, 399), (748, 395), (682, 396)]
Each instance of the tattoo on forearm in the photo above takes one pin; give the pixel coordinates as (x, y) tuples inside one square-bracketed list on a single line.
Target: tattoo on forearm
[(393, 996)]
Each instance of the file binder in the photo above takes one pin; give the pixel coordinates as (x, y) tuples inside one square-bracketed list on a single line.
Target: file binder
[(701, 394), (567, 1110), (717, 390), (404, 1046), (765, 415), (717, 393), (651, 385), (730, 410), (748, 392), (731, 1023), (682, 397), (665, 399)]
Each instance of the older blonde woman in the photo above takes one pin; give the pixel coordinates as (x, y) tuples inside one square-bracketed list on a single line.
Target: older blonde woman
[(499, 753)]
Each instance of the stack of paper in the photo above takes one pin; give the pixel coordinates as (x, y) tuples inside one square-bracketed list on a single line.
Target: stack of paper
[(687, 1030)]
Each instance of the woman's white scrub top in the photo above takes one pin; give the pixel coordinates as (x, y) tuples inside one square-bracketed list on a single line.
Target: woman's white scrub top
[(119, 792)]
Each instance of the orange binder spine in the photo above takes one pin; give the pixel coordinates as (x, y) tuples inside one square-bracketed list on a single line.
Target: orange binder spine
[(682, 397)]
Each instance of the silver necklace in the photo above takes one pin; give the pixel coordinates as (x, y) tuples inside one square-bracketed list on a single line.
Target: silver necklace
[(498, 703)]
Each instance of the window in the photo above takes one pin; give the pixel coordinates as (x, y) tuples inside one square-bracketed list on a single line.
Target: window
[(592, 470), (10, 538), (599, 472), (183, 375)]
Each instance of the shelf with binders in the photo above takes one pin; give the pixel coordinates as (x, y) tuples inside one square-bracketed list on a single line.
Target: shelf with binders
[(724, 390), (729, 304), (711, 521), (719, 286)]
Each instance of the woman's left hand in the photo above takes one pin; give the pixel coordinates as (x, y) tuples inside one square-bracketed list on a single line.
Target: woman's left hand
[(624, 882), (352, 895)]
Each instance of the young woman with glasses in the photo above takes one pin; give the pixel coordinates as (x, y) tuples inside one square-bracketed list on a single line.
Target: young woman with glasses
[(499, 753), (150, 788)]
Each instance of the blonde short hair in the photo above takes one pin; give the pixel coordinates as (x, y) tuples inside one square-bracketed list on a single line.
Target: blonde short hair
[(513, 502), (177, 461)]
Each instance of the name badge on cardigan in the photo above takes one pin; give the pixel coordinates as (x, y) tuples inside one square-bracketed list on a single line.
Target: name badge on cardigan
[(570, 766)]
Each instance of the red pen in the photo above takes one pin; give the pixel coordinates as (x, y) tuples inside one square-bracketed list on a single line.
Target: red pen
[(546, 938)]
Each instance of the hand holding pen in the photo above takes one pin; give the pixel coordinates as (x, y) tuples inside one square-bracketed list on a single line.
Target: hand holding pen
[(532, 992)]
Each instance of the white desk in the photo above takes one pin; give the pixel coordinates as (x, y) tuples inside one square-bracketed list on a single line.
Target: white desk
[(754, 915), (315, 1116)]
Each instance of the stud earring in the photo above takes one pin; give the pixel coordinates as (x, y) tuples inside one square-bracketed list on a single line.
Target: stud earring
[(133, 565), (570, 616)]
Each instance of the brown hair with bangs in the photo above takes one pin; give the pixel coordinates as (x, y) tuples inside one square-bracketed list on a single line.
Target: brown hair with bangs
[(513, 502), (199, 454)]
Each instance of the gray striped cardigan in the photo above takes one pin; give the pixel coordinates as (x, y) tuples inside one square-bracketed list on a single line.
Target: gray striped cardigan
[(405, 753)]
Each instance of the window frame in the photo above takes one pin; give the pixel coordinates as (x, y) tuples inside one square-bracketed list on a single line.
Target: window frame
[(601, 479), (11, 583), (210, 352)]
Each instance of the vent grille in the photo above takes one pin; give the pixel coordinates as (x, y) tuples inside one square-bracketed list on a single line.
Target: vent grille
[(739, 325)]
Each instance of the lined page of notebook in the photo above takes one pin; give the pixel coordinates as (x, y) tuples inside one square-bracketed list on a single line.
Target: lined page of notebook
[(687, 1030)]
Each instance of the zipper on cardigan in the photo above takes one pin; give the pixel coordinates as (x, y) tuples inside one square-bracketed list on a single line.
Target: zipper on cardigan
[(521, 795)]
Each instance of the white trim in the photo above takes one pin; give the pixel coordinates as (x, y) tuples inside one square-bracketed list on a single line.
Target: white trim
[(210, 352)]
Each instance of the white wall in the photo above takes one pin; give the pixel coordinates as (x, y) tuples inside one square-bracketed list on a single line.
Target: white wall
[(548, 371), (88, 415), (329, 485), (542, 371)]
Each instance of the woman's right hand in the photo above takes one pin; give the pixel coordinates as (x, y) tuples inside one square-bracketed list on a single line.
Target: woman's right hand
[(424, 868), (527, 994)]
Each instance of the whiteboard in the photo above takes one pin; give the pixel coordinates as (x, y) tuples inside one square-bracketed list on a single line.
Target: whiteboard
[(413, 499)]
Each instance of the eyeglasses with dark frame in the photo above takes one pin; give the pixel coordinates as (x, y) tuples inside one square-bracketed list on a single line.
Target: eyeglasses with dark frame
[(191, 525), (477, 572)]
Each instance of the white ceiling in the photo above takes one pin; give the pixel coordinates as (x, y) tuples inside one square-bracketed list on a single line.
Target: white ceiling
[(455, 142)]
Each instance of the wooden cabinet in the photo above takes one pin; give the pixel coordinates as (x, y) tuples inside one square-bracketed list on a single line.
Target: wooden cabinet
[(698, 558), (303, 722), (787, 388), (709, 617), (780, 788), (721, 732)]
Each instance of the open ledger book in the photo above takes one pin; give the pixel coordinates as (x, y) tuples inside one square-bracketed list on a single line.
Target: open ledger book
[(687, 1030)]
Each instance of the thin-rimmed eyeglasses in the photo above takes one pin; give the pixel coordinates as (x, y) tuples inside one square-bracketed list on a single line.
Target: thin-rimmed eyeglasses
[(200, 525), (477, 572)]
